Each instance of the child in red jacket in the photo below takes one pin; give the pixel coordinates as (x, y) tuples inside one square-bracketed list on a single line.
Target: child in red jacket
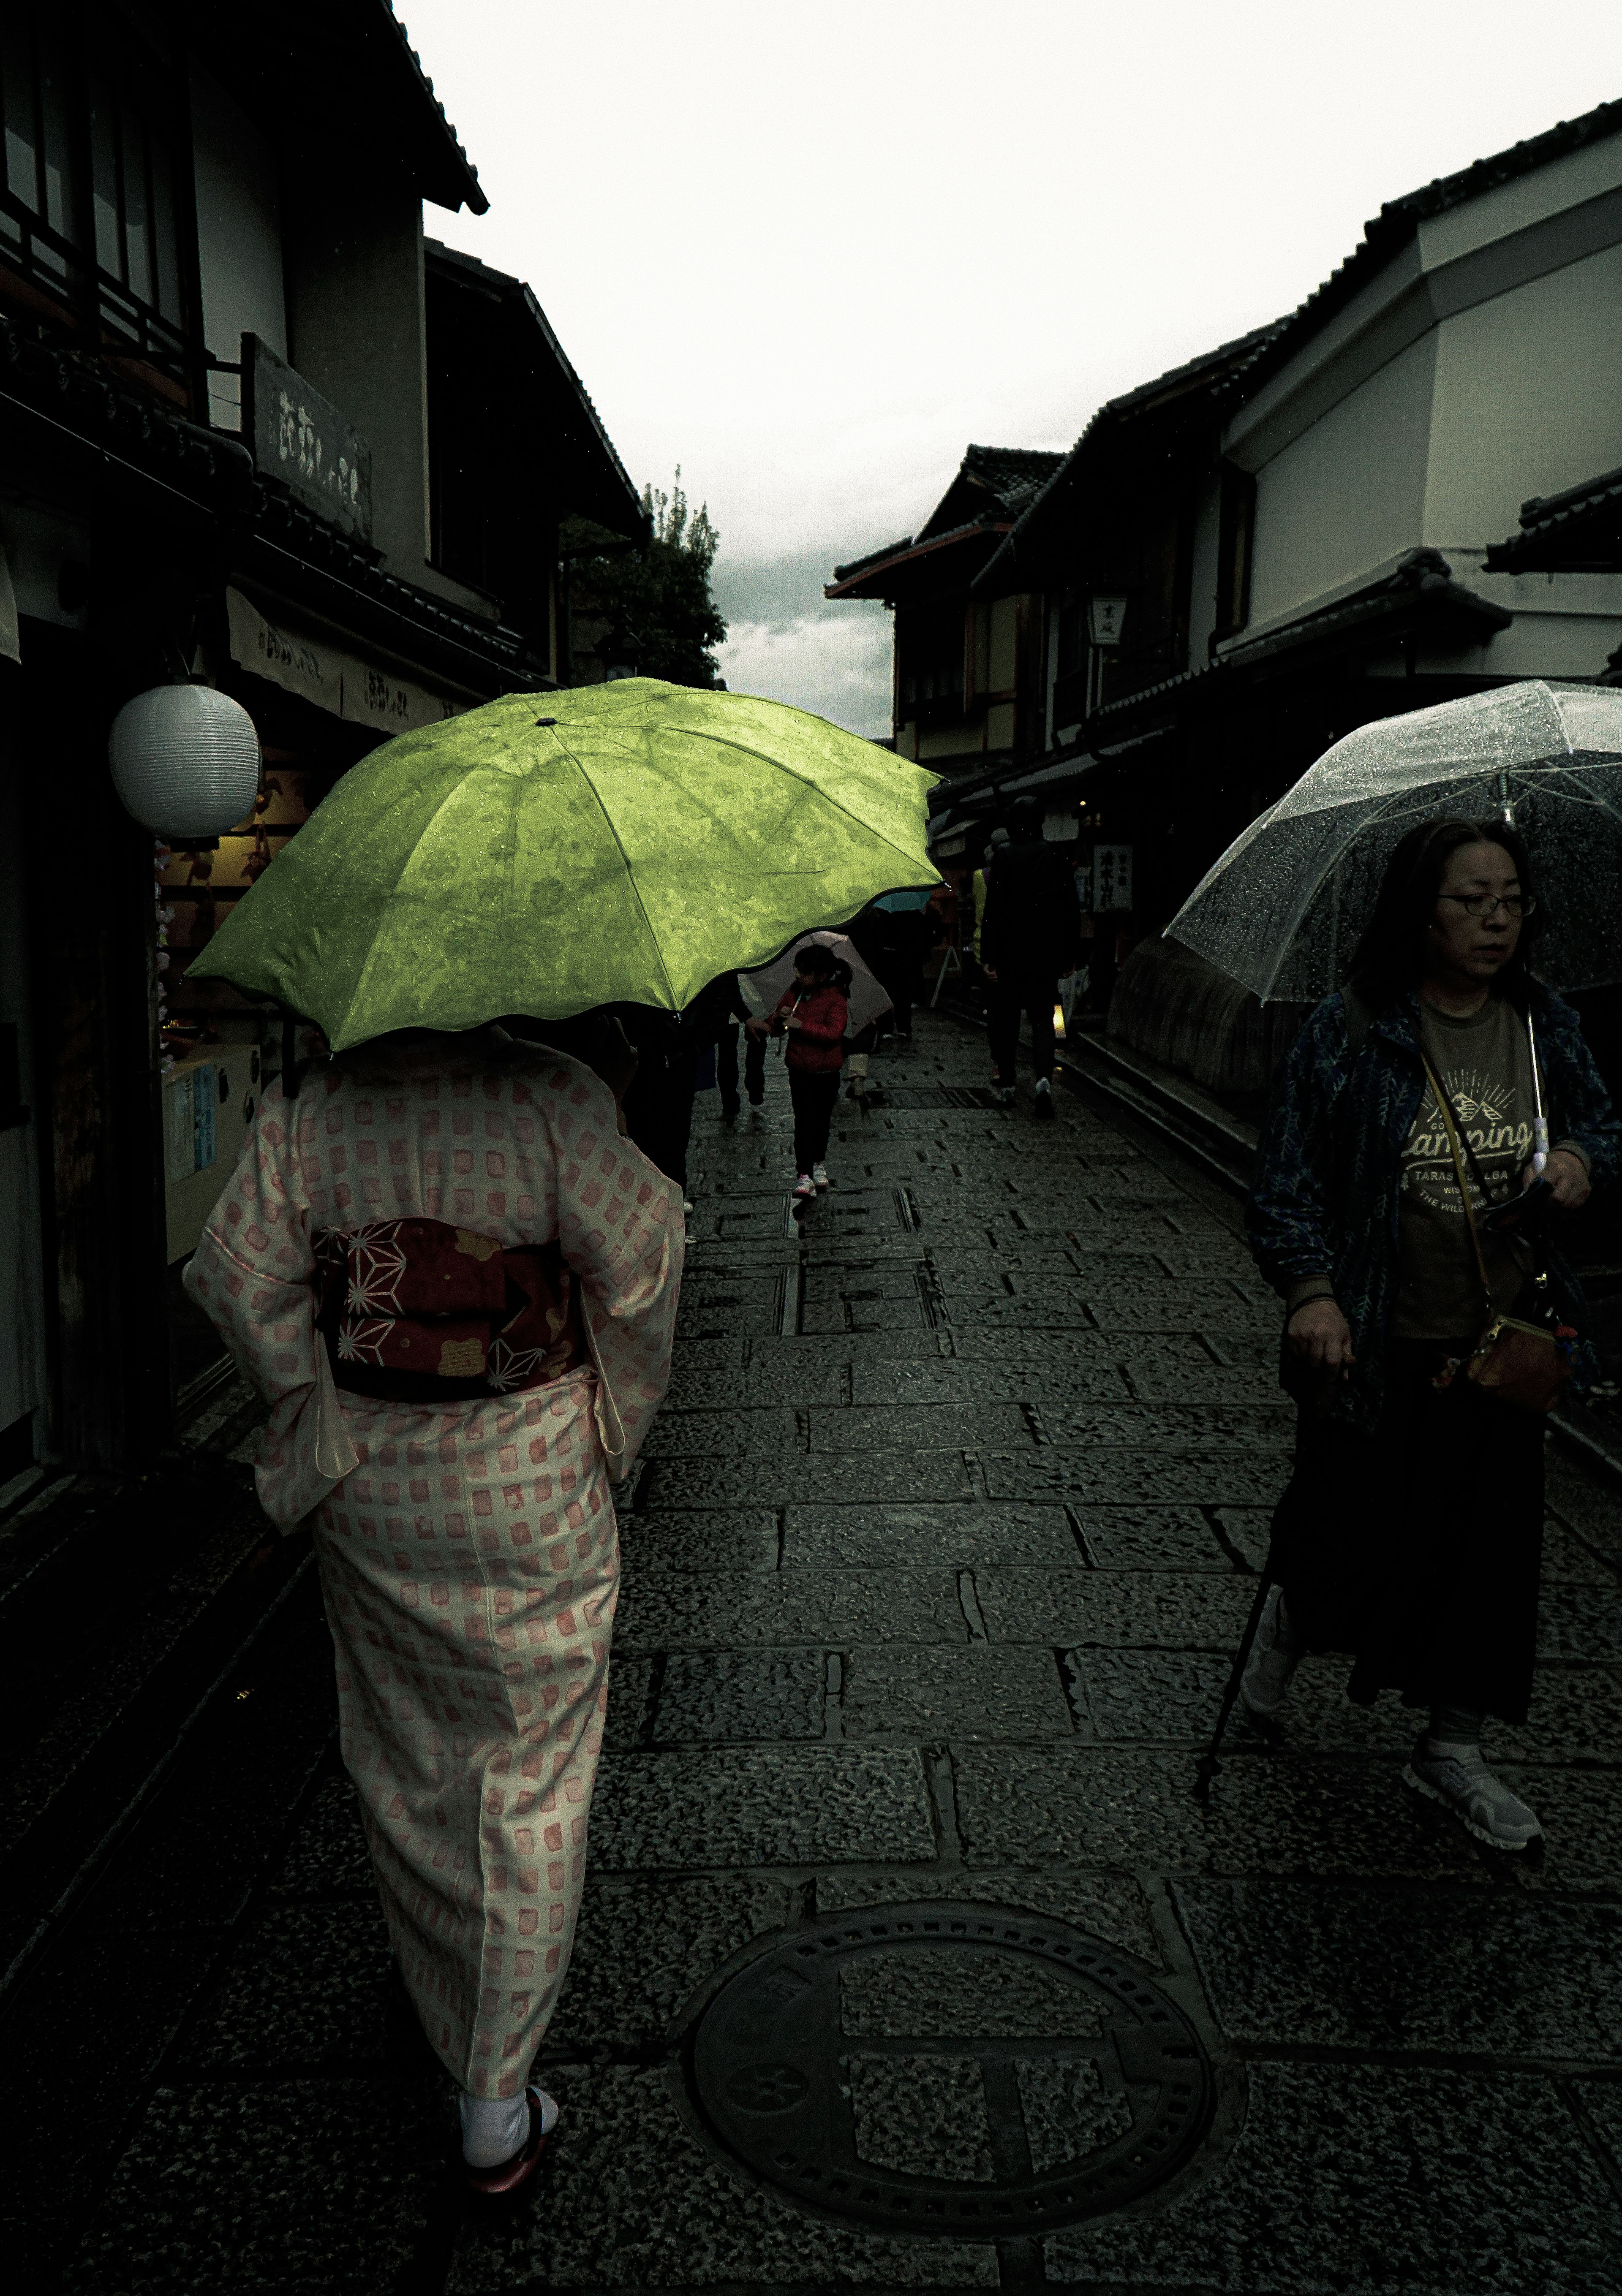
[(812, 1014)]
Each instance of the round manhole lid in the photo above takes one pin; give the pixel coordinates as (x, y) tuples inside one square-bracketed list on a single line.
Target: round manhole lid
[(959, 2069)]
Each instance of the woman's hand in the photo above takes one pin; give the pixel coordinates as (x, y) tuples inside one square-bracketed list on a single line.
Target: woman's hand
[(1320, 1335), (757, 1027), (1564, 1174), (793, 1020)]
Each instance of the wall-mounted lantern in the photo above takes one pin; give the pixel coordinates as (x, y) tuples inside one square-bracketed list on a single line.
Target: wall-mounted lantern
[(186, 760), (1106, 616)]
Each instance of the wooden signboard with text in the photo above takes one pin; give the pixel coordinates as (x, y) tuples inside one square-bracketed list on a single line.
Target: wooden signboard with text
[(301, 439)]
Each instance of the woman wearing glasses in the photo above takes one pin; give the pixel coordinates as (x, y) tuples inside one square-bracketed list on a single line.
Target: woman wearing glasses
[(1411, 1532)]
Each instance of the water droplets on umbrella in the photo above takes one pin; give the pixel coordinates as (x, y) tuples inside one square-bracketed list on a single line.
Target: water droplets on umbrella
[(1282, 909)]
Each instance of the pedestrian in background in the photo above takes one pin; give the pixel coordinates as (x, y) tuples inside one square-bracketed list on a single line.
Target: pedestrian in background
[(1030, 939), (812, 1014), (998, 838), (1411, 1532), (456, 1284), (737, 1014)]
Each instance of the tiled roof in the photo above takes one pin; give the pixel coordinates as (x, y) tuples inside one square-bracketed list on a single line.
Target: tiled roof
[(990, 486), (1577, 530), (1016, 475), (623, 517), (1210, 376), (464, 175), (1399, 219), (873, 558)]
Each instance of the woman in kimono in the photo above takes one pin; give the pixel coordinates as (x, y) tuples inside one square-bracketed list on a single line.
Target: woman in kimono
[(456, 1284)]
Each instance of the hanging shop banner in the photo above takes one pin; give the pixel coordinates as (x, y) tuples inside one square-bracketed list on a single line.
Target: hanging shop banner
[(331, 677), (1112, 877)]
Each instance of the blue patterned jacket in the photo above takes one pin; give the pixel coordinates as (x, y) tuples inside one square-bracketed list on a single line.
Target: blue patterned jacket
[(1325, 1193)]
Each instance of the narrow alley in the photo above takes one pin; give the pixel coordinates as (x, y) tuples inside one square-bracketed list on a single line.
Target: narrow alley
[(931, 1570)]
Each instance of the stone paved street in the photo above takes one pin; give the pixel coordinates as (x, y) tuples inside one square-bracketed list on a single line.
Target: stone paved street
[(931, 1569)]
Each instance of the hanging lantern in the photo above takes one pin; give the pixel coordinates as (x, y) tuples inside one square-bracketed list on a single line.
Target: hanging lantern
[(185, 759)]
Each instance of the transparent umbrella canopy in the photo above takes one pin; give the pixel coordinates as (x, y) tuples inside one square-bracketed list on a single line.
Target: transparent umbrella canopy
[(1282, 909)]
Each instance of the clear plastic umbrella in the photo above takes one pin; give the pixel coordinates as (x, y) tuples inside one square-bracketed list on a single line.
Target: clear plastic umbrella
[(1282, 909), (764, 987)]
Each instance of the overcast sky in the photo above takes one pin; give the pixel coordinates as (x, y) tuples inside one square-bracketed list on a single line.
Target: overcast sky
[(810, 253)]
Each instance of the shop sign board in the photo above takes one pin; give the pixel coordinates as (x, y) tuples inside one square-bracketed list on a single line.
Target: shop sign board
[(329, 676), (1112, 877), (301, 439)]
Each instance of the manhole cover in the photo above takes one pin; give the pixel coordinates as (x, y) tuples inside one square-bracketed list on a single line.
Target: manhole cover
[(948, 2068)]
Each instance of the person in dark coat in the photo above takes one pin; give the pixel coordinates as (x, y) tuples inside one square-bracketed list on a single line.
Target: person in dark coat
[(1411, 1532), (1030, 940), (730, 1010)]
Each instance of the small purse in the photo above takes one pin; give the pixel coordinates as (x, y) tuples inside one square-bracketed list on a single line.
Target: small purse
[(1523, 1363)]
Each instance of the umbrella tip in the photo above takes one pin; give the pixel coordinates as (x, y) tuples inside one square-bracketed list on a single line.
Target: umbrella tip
[(545, 721)]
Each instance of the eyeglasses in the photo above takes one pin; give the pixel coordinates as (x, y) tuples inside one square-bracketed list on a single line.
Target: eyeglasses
[(1485, 905)]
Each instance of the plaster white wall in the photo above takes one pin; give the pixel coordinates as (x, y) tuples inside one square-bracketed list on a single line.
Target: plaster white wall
[(239, 237), (1349, 493), (1528, 399)]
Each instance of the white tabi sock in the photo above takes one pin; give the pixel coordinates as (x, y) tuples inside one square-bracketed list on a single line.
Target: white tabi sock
[(493, 2128)]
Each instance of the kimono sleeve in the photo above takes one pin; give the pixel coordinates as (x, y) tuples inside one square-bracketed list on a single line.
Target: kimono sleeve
[(621, 1226), (253, 1275)]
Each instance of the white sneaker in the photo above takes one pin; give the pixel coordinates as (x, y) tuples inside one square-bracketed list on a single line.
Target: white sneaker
[(805, 1186), (819, 1177), (1458, 1777), (1274, 1655)]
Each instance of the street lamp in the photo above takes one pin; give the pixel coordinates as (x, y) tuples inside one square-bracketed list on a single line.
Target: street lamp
[(620, 653)]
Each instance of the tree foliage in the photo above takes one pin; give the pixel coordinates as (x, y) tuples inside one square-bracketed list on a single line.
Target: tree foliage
[(663, 595)]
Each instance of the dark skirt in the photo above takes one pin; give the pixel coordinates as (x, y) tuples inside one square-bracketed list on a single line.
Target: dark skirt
[(1418, 1548)]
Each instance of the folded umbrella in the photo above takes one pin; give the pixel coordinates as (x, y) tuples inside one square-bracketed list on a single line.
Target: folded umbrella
[(1282, 909), (622, 842)]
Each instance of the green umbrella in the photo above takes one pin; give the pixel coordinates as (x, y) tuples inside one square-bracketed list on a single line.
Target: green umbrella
[(547, 853)]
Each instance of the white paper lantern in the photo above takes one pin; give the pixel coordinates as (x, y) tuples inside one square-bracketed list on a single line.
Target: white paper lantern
[(185, 758)]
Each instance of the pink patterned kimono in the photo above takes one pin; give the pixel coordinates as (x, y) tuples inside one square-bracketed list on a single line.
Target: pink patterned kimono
[(468, 1551)]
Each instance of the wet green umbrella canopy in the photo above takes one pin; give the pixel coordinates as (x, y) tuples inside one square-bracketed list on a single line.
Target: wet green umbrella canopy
[(638, 839)]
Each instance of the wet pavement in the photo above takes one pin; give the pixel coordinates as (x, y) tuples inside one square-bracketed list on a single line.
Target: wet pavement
[(932, 1568)]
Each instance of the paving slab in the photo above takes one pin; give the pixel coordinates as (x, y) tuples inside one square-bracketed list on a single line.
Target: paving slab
[(697, 1538), (726, 1611), (1465, 1972), (752, 1805), (1165, 1609), (723, 1696), (937, 1427), (909, 1538), (1092, 1476), (641, 1946), (945, 1692), (295, 2189), (1079, 1805), (797, 1481), (1372, 2180), (632, 2201)]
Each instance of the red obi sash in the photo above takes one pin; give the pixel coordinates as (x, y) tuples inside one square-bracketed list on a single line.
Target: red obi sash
[(417, 1311)]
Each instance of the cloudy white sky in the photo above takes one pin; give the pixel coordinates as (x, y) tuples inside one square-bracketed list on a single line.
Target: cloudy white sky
[(809, 252)]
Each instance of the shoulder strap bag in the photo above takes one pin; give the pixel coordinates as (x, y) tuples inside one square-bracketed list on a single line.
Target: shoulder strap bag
[(1520, 1362)]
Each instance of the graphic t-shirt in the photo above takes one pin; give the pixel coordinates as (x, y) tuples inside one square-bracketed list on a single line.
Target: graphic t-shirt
[(1486, 1068)]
